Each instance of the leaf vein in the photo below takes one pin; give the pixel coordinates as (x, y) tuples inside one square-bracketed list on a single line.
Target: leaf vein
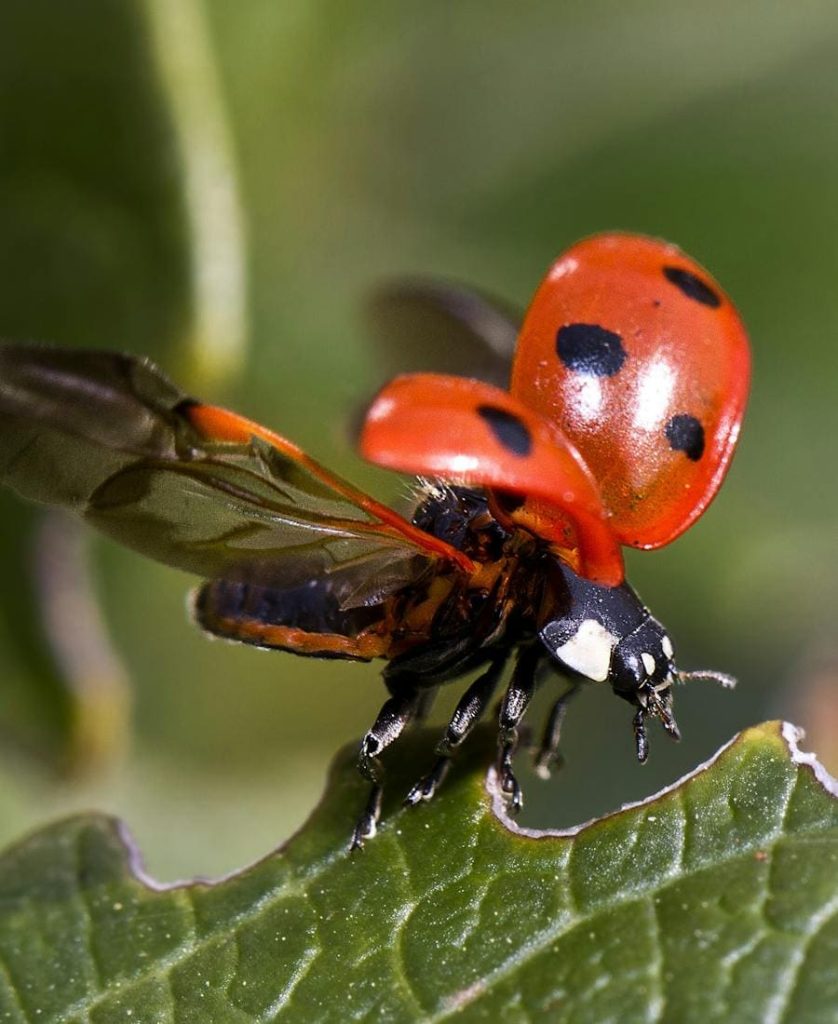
[(397, 952), (780, 1004), (11, 987), (657, 1003), (271, 1013), (94, 974), (540, 941)]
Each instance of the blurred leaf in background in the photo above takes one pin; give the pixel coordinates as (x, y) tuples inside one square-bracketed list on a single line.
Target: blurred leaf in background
[(91, 253), (473, 141)]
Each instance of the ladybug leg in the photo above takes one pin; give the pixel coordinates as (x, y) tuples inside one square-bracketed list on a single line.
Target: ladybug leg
[(426, 787), (388, 726), (548, 758), (466, 715), (641, 740), (513, 707)]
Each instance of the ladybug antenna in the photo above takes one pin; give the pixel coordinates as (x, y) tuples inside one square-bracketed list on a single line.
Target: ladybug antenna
[(722, 678)]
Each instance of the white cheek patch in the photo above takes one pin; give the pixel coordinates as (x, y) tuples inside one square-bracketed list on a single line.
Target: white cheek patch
[(648, 663), (666, 646), (589, 651)]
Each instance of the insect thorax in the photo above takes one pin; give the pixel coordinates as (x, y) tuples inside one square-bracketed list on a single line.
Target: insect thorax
[(460, 516), (523, 591)]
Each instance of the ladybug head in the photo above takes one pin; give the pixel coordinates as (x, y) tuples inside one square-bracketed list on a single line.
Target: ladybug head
[(606, 634), (643, 658), (643, 670)]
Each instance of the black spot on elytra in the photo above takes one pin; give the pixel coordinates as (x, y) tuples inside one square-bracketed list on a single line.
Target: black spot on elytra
[(693, 287), (685, 434), (508, 429), (590, 349)]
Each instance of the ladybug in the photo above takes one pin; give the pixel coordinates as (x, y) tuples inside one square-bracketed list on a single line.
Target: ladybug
[(629, 379)]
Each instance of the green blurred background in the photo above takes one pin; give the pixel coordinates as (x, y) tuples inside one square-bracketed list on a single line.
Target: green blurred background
[(218, 184)]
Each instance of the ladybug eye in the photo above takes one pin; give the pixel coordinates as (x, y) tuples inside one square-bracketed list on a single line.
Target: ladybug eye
[(693, 287), (590, 349), (507, 429), (685, 434)]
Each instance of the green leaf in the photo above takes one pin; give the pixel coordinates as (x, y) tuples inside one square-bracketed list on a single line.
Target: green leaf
[(715, 900)]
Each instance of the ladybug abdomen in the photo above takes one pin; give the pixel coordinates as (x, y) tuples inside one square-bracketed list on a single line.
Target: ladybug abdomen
[(306, 619), (641, 359)]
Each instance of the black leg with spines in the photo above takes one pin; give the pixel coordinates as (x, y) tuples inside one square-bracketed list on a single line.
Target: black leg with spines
[(397, 711), (467, 714), (547, 757), (641, 740), (513, 708)]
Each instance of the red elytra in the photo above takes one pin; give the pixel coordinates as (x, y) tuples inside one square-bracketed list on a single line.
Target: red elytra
[(642, 359), (631, 375), (456, 428)]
